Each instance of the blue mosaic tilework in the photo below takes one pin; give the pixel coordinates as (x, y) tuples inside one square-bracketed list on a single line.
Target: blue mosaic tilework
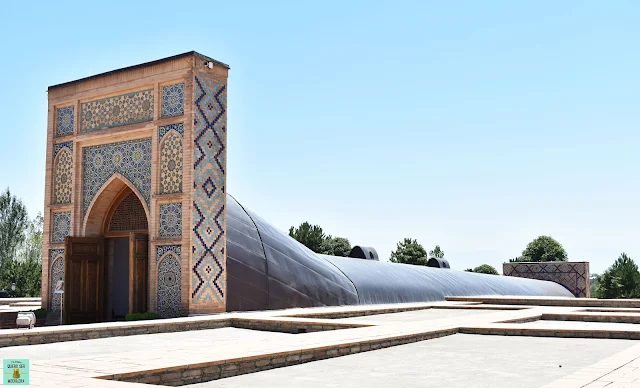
[(65, 120), (170, 220), (62, 172), (169, 280), (173, 100), (61, 226), (59, 146), (162, 250), (131, 158), (171, 158), (208, 241), (165, 129), (124, 109), (56, 272)]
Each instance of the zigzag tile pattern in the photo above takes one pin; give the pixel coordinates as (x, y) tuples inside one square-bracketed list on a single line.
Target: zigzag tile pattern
[(208, 240)]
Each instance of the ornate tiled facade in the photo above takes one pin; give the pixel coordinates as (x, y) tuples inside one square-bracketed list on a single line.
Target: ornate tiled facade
[(208, 240), (170, 137), (65, 120), (56, 273), (61, 226), (132, 159), (574, 276), (170, 220), (129, 215), (173, 100), (169, 280), (62, 172), (129, 108)]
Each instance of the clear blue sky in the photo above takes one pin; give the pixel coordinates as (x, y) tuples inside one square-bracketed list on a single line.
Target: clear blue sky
[(476, 125)]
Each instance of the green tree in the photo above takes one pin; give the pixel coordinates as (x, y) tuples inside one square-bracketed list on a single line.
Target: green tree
[(336, 246), (310, 236), (13, 223), (620, 281), (484, 268), (543, 248), (409, 251), (436, 252), (25, 270)]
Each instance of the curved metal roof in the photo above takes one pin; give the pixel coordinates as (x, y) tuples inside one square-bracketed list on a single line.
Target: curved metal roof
[(267, 269)]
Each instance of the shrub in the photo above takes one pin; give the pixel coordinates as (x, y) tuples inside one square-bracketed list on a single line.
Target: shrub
[(142, 316)]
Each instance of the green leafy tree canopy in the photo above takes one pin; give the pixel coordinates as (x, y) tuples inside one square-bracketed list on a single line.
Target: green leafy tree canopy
[(484, 268), (436, 252), (13, 223), (620, 281), (409, 251), (314, 238), (309, 235), (543, 248)]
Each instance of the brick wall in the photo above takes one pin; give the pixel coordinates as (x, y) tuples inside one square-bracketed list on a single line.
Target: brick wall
[(572, 275)]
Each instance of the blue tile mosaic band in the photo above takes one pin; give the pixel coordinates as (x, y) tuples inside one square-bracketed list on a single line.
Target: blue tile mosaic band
[(65, 120), (208, 239), (131, 158), (173, 100), (130, 108)]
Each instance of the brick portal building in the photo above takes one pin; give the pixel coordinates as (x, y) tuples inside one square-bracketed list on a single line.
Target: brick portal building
[(135, 191)]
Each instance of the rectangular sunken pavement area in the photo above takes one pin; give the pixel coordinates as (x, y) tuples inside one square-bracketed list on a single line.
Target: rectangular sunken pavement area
[(195, 361)]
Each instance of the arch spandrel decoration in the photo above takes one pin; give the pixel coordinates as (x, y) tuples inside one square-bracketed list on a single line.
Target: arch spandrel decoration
[(170, 138), (62, 172), (168, 258), (131, 159)]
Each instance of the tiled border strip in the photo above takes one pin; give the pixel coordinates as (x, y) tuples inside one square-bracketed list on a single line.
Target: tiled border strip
[(71, 333), (208, 371), (592, 317)]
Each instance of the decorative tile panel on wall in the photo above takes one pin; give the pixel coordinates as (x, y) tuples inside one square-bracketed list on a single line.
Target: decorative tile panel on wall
[(208, 239), (170, 138), (56, 273), (169, 280), (65, 120), (129, 215), (124, 109), (173, 100), (170, 220), (61, 226), (62, 172), (131, 158), (574, 276)]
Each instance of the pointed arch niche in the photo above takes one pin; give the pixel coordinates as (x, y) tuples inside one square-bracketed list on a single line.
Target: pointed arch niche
[(116, 191)]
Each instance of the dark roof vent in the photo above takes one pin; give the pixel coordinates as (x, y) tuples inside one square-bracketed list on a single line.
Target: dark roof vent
[(366, 253), (437, 263)]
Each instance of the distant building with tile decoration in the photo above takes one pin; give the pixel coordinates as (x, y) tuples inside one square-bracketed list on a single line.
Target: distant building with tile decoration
[(574, 276)]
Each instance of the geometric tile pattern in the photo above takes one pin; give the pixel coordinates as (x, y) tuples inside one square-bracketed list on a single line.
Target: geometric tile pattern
[(119, 110), (61, 226), (65, 120), (56, 261), (170, 220), (208, 240), (129, 215), (173, 100), (131, 158), (171, 158), (574, 276), (62, 173), (169, 280)]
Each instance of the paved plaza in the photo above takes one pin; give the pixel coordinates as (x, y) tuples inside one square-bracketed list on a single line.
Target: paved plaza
[(463, 342)]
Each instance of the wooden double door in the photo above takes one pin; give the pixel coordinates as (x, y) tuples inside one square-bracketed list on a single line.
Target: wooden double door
[(86, 285)]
